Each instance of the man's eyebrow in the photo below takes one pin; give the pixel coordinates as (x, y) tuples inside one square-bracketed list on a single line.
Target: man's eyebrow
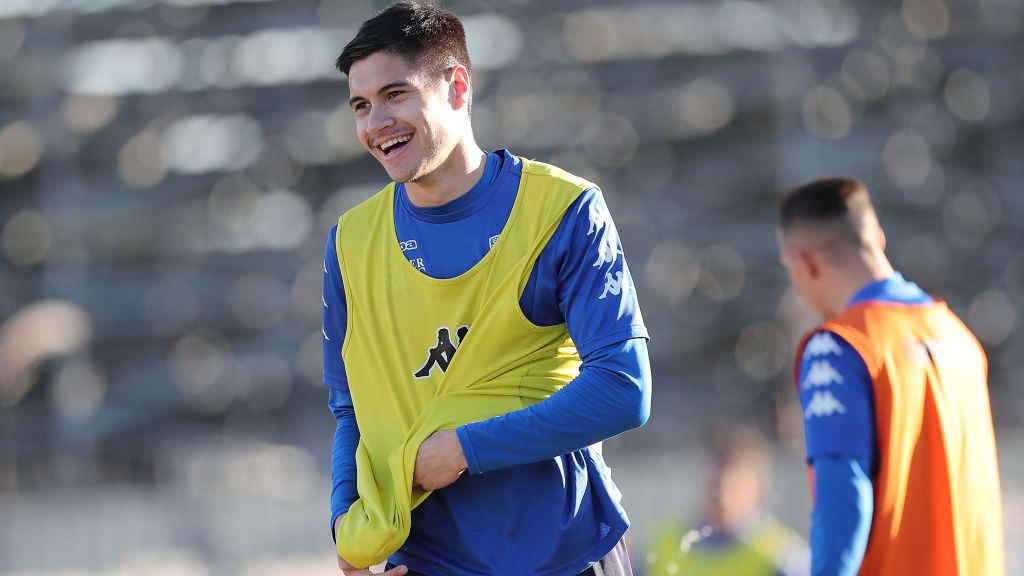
[(382, 89)]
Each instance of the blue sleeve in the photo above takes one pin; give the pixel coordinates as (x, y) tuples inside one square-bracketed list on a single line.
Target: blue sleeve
[(581, 278), (346, 434), (837, 398), (335, 317), (841, 519), (343, 454), (611, 395)]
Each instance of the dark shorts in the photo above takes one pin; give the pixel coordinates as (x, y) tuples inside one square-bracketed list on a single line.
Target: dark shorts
[(616, 563)]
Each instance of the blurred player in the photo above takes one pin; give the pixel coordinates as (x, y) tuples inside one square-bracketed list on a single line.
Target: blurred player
[(738, 537), (453, 293), (895, 401)]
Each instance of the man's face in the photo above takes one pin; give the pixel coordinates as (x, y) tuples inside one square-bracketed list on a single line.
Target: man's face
[(404, 116), (736, 493)]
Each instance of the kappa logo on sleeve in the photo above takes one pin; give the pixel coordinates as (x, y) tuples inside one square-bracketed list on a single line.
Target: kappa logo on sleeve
[(614, 285), (442, 353), (823, 404), (821, 374), (822, 344), (603, 230)]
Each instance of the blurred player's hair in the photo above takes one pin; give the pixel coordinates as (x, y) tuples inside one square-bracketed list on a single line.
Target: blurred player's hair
[(729, 444), (425, 36), (839, 206)]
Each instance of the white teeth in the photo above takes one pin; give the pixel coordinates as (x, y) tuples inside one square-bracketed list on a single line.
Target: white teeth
[(383, 147)]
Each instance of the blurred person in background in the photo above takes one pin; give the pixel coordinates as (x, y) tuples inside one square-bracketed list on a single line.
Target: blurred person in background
[(737, 536), (894, 391), (503, 260)]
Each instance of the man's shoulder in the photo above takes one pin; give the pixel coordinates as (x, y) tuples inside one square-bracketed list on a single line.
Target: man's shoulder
[(544, 170)]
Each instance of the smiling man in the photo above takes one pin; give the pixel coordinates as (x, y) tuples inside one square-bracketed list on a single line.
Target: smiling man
[(481, 334)]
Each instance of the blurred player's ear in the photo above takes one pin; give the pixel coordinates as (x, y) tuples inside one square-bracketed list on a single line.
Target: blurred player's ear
[(809, 262)]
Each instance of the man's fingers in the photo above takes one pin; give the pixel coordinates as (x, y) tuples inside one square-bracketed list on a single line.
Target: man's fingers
[(348, 570)]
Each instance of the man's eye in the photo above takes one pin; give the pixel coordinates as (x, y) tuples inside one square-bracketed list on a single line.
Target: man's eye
[(361, 106), (394, 94)]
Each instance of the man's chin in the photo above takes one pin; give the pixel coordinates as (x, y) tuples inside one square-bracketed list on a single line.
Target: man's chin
[(399, 177)]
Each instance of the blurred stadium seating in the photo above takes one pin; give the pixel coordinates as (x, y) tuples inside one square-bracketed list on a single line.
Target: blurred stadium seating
[(169, 170)]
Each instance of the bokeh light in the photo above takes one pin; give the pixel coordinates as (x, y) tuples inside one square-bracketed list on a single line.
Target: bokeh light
[(761, 350), (967, 95), (26, 237), (198, 362), (21, 147), (826, 113), (992, 317)]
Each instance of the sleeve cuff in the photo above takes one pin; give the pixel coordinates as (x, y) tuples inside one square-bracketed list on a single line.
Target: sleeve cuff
[(635, 331), (467, 449), (334, 518)]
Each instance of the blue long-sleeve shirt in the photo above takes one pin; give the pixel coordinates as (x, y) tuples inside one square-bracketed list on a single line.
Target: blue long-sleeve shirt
[(837, 395), (533, 483)]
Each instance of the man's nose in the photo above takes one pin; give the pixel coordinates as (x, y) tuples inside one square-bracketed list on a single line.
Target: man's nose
[(379, 119)]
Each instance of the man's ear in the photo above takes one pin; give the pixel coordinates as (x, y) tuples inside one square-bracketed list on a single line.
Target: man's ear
[(460, 88), (809, 262)]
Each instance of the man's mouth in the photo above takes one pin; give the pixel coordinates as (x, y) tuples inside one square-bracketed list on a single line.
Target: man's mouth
[(391, 146)]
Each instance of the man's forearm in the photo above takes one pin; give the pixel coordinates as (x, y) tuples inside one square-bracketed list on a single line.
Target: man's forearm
[(841, 519), (343, 463), (611, 395)]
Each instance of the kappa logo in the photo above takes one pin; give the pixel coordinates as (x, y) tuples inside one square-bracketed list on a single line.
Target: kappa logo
[(822, 373), (603, 230), (823, 404), (493, 240), (822, 344), (442, 353), (408, 245), (614, 285)]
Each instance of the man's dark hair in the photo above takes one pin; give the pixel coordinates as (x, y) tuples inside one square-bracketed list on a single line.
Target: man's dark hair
[(423, 34), (837, 202)]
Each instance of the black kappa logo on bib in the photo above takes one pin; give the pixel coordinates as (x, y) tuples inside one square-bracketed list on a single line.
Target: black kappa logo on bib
[(442, 353)]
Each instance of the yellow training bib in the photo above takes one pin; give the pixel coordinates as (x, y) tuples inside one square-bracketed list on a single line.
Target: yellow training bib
[(404, 329)]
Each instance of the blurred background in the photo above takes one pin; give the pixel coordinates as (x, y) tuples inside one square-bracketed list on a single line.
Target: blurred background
[(169, 170)]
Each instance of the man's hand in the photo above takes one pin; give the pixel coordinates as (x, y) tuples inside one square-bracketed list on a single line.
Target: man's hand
[(439, 461), (350, 570)]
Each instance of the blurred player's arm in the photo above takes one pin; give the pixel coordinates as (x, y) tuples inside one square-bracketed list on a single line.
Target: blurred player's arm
[(581, 279), (837, 398), (841, 519)]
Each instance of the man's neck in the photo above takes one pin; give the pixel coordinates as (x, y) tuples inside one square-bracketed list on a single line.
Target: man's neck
[(872, 268), (454, 177)]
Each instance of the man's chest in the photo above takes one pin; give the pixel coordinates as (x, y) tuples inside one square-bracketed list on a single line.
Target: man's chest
[(446, 250)]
